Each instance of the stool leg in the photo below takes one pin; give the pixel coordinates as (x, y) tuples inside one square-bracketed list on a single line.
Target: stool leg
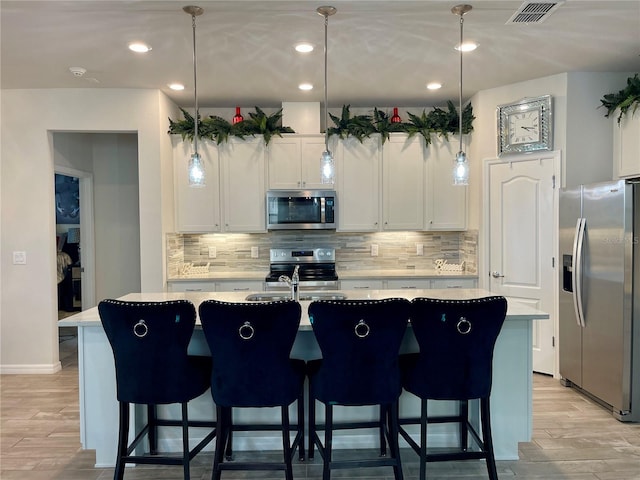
[(423, 439), (152, 417), (300, 403), (383, 419), (286, 442), (486, 438), (393, 439), (228, 454), (312, 425), (328, 442), (463, 411), (185, 441), (123, 438), (221, 440)]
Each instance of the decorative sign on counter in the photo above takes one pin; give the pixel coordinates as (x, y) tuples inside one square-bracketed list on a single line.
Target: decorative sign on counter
[(443, 266), (194, 269)]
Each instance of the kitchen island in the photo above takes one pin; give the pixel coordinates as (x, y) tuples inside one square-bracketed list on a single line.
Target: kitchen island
[(511, 399)]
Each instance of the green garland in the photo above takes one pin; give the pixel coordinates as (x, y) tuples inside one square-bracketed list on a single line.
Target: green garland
[(437, 121), (625, 99)]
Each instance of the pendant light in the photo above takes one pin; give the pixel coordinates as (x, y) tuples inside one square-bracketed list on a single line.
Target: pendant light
[(196, 167), (461, 162), (327, 165)]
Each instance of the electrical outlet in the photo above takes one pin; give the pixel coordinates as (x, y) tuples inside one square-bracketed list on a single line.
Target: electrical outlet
[(255, 252), (374, 249), (213, 252), (20, 258), (419, 249)]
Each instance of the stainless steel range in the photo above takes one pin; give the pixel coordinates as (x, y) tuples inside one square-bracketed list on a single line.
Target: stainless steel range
[(316, 268)]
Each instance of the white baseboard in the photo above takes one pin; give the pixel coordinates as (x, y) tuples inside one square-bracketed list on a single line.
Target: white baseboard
[(30, 369)]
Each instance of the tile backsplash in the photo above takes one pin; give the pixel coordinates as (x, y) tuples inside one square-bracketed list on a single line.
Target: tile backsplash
[(396, 250)]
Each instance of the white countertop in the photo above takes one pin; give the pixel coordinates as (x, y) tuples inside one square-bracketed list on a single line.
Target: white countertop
[(515, 310), (342, 275)]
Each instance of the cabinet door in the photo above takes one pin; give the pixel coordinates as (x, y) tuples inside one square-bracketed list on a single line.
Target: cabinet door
[(243, 174), (403, 174), (240, 286), (311, 152), (454, 283), (284, 163), (626, 145), (358, 185), (446, 203), (197, 209)]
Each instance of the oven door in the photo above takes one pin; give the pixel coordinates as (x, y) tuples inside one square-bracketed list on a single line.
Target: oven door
[(311, 209)]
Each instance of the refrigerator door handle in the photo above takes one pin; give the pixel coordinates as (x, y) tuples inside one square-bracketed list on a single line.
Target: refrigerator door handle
[(578, 241)]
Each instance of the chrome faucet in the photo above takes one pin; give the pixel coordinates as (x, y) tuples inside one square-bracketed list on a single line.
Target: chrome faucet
[(292, 282)]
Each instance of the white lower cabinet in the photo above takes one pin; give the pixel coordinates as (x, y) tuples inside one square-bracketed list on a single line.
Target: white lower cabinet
[(411, 283), (454, 283), (197, 209), (361, 284), (240, 286), (192, 286)]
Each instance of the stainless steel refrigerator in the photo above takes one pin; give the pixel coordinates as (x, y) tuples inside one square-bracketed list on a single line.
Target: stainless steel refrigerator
[(599, 301)]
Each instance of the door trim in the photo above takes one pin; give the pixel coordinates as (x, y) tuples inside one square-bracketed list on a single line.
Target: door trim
[(486, 232)]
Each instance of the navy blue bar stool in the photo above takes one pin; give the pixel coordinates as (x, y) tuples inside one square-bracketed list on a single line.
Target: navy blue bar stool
[(149, 342), (250, 345), (456, 340), (360, 343)]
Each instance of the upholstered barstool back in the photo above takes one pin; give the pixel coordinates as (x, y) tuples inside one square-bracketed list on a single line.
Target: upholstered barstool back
[(456, 339), (251, 345), (360, 343), (149, 342)]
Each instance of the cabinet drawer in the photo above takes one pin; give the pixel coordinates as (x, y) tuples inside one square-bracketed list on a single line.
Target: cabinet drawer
[(361, 284), (195, 286), (240, 286), (454, 283), (408, 283)]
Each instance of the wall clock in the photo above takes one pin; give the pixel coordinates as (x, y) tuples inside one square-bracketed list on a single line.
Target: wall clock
[(525, 126)]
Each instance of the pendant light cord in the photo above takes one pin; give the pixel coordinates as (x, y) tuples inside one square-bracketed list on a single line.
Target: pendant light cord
[(326, 82), (460, 85), (195, 85)]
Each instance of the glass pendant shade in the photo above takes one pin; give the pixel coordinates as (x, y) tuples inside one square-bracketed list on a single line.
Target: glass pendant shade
[(327, 167), (461, 169), (196, 171)]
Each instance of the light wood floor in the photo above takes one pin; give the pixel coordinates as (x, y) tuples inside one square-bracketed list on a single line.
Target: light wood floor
[(573, 439)]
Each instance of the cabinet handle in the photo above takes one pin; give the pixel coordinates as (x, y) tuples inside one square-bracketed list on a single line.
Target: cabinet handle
[(408, 286), (361, 287), (304, 183), (193, 290), (454, 286), (239, 289)]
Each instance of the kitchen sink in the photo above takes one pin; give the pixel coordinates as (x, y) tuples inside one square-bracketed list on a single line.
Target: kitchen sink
[(304, 296)]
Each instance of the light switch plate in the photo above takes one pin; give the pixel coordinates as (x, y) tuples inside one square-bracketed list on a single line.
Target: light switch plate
[(213, 252), (255, 252), (19, 258), (374, 249)]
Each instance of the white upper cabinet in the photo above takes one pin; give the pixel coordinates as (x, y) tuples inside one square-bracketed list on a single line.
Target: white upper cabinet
[(197, 209), (445, 203), (626, 145), (358, 185), (242, 165), (403, 174), (294, 162)]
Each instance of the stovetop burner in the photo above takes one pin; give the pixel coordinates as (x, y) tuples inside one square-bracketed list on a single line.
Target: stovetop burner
[(315, 264)]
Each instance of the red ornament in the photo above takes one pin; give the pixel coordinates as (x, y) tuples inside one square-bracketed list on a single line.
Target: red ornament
[(237, 118), (396, 118)]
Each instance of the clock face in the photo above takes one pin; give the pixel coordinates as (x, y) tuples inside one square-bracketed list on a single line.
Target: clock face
[(525, 126)]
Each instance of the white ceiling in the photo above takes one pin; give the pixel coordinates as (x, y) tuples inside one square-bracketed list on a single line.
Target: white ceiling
[(381, 53)]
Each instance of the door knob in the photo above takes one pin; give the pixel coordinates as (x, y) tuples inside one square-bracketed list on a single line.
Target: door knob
[(496, 275)]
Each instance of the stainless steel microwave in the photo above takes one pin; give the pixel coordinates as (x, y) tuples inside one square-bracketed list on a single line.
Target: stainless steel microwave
[(301, 209)]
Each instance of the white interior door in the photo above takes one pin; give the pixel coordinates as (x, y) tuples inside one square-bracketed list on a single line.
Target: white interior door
[(522, 215)]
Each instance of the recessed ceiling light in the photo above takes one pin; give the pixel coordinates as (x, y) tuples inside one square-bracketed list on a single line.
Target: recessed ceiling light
[(434, 85), (305, 86), (304, 47), (139, 47), (176, 86), (467, 47)]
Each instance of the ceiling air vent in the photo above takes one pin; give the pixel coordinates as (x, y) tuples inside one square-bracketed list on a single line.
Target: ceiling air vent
[(534, 12)]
